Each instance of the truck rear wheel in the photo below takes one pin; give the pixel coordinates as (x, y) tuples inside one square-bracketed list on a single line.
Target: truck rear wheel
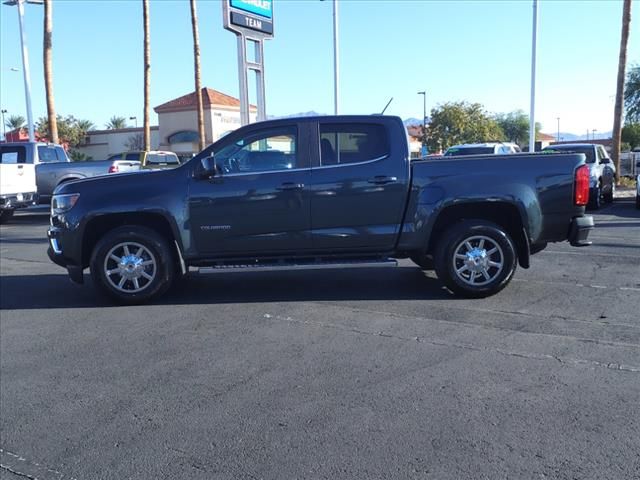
[(132, 265), (475, 258)]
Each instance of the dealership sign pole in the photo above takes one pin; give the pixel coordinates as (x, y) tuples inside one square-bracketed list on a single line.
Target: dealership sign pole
[(252, 22)]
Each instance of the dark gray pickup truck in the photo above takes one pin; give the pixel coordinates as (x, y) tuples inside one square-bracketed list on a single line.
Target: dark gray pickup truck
[(319, 192)]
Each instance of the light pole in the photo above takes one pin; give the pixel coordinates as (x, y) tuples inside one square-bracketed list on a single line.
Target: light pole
[(532, 116), (136, 120), (336, 62), (424, 121), (593, 133), (4, 127), (558, 137), (25, 59)]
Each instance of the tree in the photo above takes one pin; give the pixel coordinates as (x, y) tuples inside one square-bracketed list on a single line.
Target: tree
[(147, 75), (515, 126), (14, 122), (48, 69), (135, 142), (71, 131), (196, 69), (622, 64), (116, 123), (461, 122), (631, 134), (632, 95)]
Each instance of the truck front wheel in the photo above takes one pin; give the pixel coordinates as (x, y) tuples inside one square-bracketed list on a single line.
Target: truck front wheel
[(475, 258), (132, 265), (5, 215)]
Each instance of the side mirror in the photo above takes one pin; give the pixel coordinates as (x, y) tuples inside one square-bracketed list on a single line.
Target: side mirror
[(605, 160), (208, 168)]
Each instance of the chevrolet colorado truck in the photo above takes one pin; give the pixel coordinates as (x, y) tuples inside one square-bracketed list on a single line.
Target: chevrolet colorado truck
[(319, 192)]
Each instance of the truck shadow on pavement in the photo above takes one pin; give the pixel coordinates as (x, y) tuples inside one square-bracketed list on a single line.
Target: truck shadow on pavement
[(22, 292)]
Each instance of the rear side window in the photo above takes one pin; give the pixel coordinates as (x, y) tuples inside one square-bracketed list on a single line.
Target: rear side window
[(344, 143), (48, 154), (13, 155)]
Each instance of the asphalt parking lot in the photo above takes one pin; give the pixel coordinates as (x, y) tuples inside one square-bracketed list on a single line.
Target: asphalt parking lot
[(360, 374)]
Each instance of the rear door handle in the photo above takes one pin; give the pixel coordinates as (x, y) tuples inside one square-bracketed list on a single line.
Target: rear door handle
[(382, 179), (291, 186)]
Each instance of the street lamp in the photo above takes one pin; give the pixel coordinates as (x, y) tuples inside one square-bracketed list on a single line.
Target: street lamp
[(593, 133), (136, 119), (558, 137), (25, 59), (424, 122), (336, 66), (532, 111)]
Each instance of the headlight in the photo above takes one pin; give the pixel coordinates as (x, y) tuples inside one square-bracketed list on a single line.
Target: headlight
[(63, 203)]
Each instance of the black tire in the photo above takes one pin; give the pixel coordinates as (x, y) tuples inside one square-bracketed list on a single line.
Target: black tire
[(5, 215), (148, 272), (608, 197), (500, 250), (595, 198), (425, 262)]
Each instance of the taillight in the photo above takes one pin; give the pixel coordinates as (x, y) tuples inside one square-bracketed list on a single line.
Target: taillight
[(582, 186), (113, 169)]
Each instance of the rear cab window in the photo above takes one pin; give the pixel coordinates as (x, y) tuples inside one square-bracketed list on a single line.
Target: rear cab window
[(346, 143), (13, 155)]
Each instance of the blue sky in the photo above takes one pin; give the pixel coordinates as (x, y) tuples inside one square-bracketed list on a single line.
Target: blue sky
[(455, 50)]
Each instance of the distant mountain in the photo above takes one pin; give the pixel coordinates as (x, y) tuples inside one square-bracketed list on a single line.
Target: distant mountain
[(302, 114), (410, 122)]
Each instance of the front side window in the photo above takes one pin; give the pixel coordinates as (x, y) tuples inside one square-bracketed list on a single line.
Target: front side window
[(12, 155), (344, 143), (275, 149)]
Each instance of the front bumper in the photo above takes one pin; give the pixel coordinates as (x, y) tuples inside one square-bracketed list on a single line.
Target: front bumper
[(57, 256), (579, 231), (18, 200)]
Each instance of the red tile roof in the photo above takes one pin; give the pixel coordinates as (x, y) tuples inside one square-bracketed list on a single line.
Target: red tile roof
[(210, 97)]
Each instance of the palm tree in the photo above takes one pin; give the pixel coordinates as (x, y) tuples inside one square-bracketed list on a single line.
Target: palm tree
[(196, 69), (14, 122), (147, 72), (48, 69), (116, 122), (622, 65)]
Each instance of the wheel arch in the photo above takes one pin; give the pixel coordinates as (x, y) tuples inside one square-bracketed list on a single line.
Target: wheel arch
[(99, 225), (504, 214)]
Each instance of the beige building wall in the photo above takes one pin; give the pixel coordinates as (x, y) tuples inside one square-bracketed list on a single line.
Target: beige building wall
[(104, 143)]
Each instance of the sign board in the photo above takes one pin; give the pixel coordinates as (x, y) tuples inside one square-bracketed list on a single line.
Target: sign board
[(249, 17)]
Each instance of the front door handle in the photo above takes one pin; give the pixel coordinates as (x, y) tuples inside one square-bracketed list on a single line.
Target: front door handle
[(291, 186), (382, 179)]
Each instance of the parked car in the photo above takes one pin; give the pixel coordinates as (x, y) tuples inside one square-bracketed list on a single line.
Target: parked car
[(602, 171), (491, 148), (150, 159), (17, 181), (319, 192), (53, 167)]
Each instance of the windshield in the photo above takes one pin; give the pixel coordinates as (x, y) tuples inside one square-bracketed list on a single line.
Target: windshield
[(588, 151), (468, 151)]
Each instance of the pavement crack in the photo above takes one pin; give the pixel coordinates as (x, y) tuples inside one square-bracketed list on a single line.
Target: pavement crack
[(15, 472), (531, 356)]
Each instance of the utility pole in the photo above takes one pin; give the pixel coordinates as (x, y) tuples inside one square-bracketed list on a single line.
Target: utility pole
[(25, 60), (424, 122), (558, 137), (532, 111), (336, 59)]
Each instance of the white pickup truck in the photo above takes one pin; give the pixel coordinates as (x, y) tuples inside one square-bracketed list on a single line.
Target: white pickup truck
[(17, 181)]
